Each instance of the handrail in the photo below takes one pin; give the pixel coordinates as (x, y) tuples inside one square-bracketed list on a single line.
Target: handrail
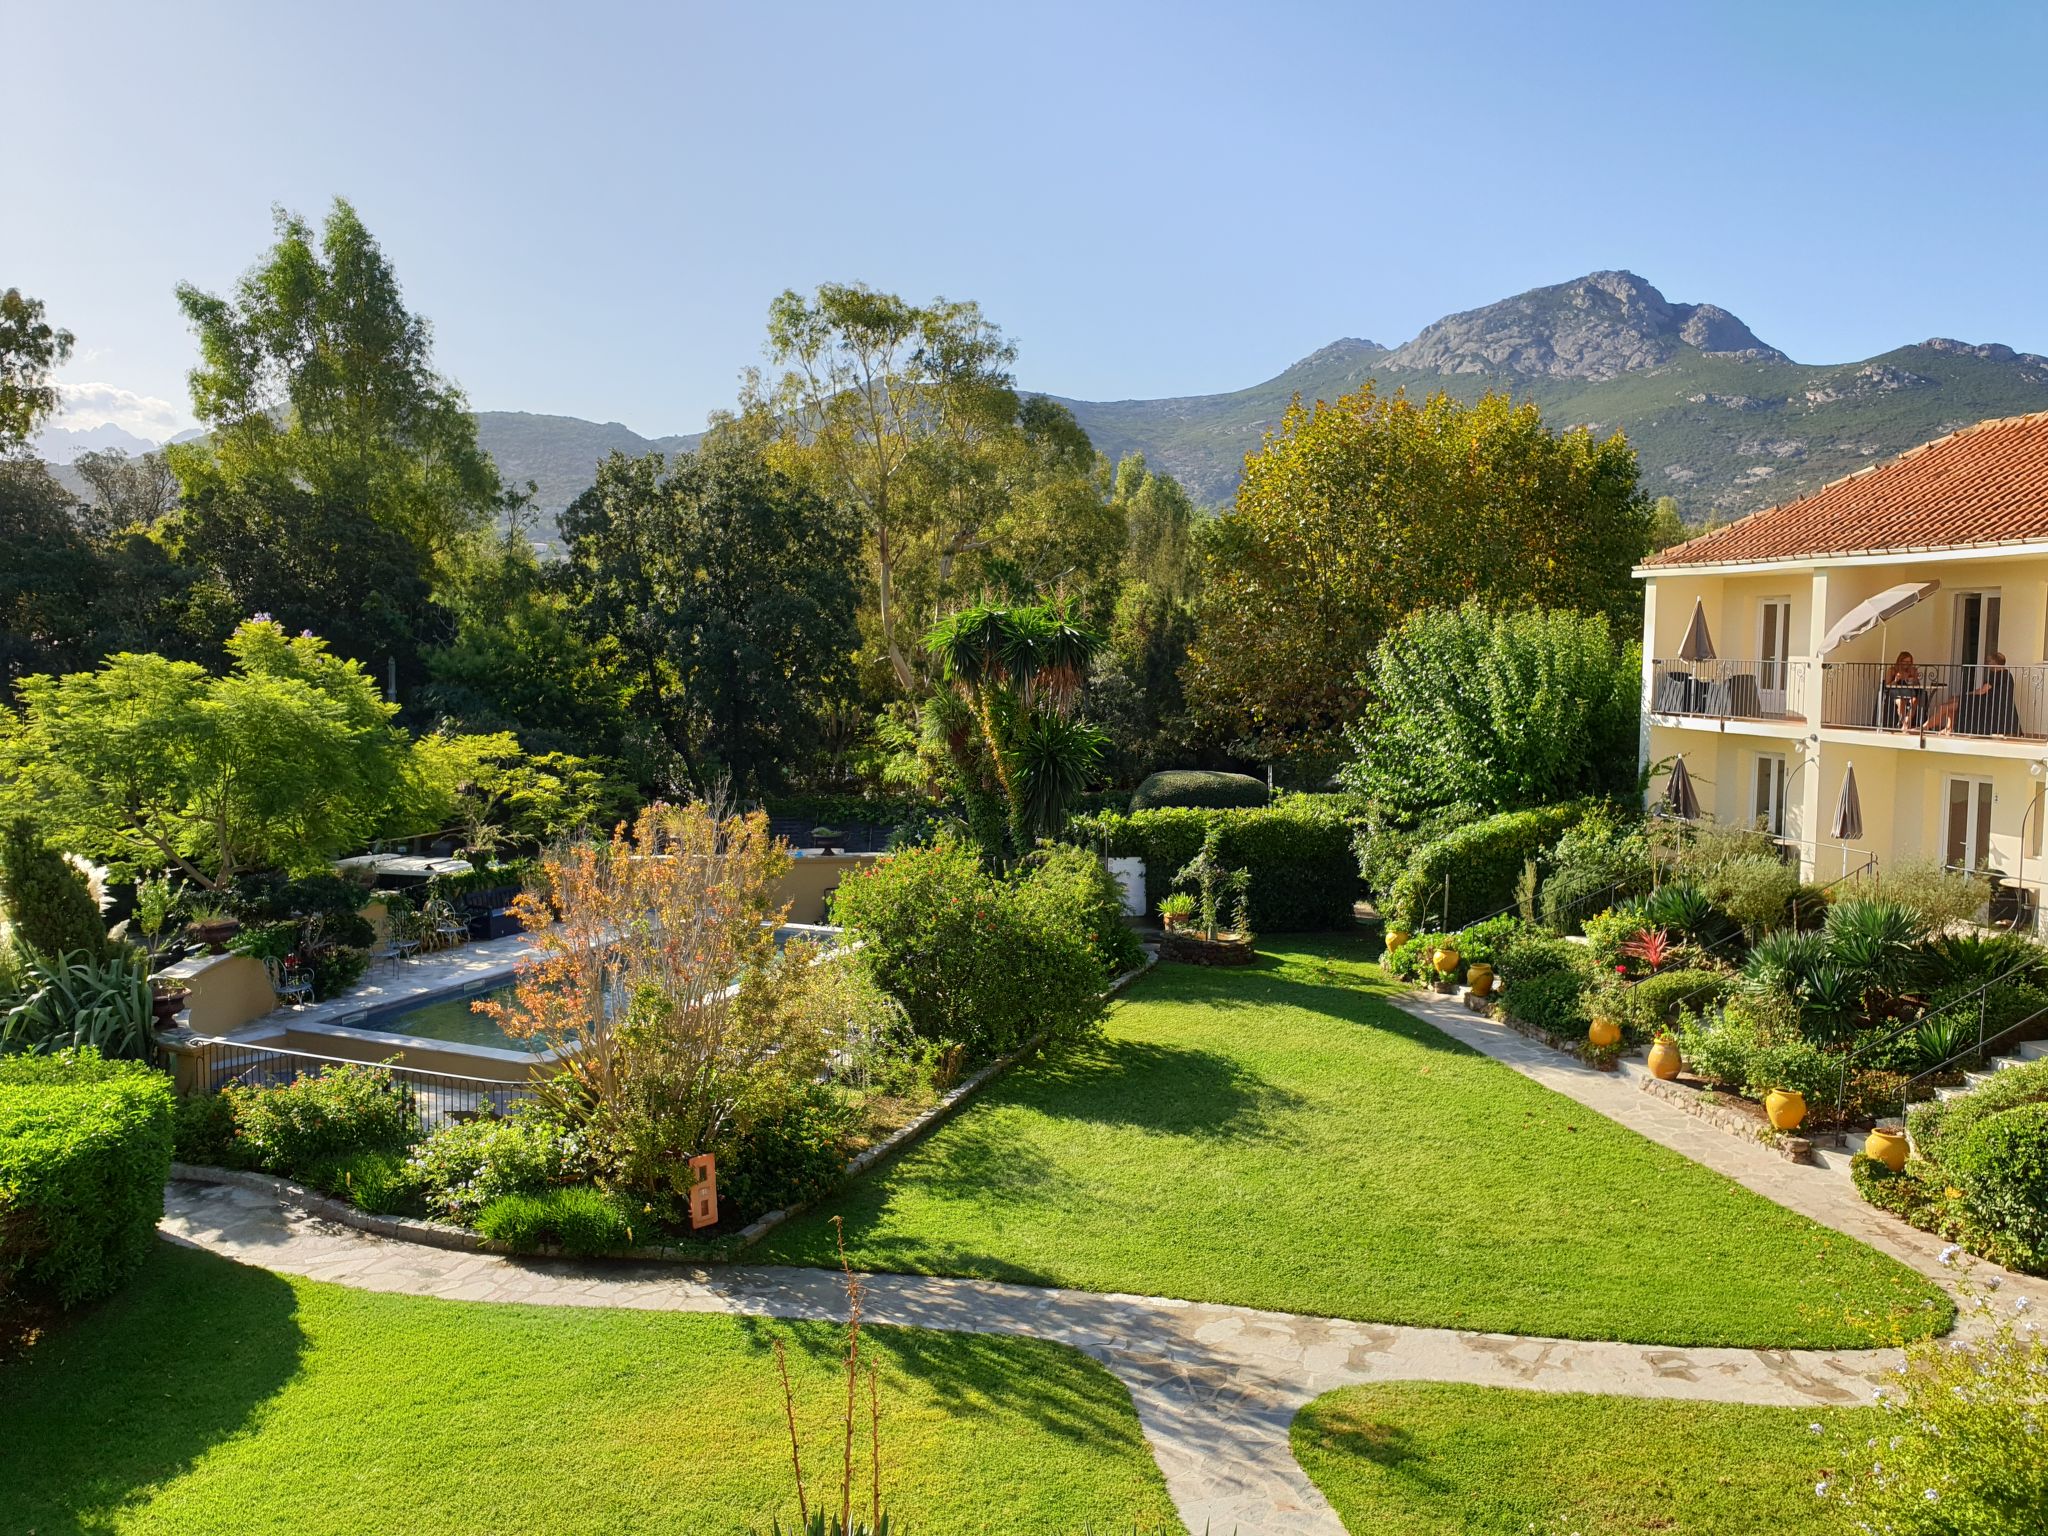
[(1977, 1051), (1859, 1049)]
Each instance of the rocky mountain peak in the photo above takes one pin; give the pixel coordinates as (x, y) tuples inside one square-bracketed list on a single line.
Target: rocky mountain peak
[(1594, 327)]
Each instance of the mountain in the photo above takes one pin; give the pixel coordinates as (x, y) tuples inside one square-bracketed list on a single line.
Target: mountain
[(560, 454), (63, 445)]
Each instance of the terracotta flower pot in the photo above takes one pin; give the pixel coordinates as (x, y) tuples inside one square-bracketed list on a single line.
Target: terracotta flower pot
[(1887, 1146), (1664, 1058), (1604, 1032), (1786, 1107)]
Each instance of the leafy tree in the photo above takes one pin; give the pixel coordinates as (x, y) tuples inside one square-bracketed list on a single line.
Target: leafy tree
[(728, 589), (491, 791), (126, 492), (150, 763), (315, 377), (1356, 513), (46, 902), (29, 348), (1495, 711), (1017, 674)]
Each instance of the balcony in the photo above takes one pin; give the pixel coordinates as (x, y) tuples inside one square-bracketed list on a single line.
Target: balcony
[(1994, 703), (1729, 690)]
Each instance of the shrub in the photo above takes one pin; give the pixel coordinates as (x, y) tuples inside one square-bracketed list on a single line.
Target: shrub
[(2001, 1164), (1528, 955), (384, 1183), (1940, 897), (1801, 1066), (1722, 1047), (1938, 1121), (467, 1164), (203, 1131), (1198, 787), (579, 1219), (328, 1114), (1609, 933), (98, 1001), (1484, 941), (1966, 960), (1303, 873), (1599, 861), (974, 958), (335, 968), (1067, 881), (1554, 1002), (1655, 1001), (85, 1147), (1757, 891), (1481, 861), (48, 903), (792, 1154), (1413, 960)]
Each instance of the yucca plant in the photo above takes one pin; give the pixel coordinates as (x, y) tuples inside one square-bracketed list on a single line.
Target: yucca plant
[(1685, 909), (79, 1000), (1874, 939)]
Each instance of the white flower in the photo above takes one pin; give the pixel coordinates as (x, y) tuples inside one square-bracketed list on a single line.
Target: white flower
[(1820, 1489), (1948, 1254), (1813, 1429), (1931, 1496), (2021, 1303), (1992, 1282)]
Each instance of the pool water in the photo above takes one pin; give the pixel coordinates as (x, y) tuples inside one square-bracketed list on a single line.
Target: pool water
[(453, 1019)]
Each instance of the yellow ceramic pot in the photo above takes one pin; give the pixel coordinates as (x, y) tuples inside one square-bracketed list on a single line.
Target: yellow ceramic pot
[(1396, 937), (1479, 977), (1604, 1032), (1664, 1058), (1786, 1107), (1446, 960), (1886, 1146)]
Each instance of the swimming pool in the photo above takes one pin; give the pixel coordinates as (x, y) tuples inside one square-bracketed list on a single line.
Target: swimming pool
[(454, 1020)]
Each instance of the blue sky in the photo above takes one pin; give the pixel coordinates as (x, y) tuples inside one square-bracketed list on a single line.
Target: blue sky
[(594, 204)]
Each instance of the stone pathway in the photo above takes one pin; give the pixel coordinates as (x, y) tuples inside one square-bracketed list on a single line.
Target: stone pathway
[(1216, 1387)]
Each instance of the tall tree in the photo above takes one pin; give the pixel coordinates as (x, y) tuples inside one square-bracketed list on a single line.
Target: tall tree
[(1356, 513), (728, 587), (315, 376), (891, 406), (30, 347), (126, 492)]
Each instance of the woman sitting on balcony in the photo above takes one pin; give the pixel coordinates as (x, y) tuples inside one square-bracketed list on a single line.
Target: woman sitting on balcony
[(1901, 692), (1987, 709)]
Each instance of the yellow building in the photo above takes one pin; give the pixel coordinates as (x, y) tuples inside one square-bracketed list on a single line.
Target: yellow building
[(1893, 624)]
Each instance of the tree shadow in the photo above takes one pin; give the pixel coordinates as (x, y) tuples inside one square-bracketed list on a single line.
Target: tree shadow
[(129, 1393), (1176, 1090)]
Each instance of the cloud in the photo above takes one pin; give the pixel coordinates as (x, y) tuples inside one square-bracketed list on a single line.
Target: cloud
[(91, 405)]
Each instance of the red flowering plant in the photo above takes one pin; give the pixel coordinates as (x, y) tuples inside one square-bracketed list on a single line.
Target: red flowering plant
[(1651, 948)]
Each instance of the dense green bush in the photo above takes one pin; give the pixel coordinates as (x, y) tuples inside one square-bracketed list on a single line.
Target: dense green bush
[(467, 1164), (577, 1218), (1554, 1002), (1484, 941), (1199, 787), (293, 1126), (1303, 873), (1480, 862), (1799, 1065), (1414, 959), (1938, 1121), (793, 1154), (1529, 954), (203, 1132), (47, 902), (2001, 1164), (1655, 1001), (377, 1180), (1721, 1047), (1066, 880), (1600, 861), (976, 959), (85, 1147)]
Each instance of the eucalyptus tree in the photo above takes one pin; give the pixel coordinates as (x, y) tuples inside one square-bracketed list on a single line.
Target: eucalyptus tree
[(30, 347)]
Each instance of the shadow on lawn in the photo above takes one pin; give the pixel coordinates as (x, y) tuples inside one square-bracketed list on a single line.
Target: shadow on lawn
[(131, 1392), (1177, 1090), (1309, 982)]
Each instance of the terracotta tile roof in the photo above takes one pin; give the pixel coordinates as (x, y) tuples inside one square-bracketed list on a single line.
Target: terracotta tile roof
[(1986, 484)]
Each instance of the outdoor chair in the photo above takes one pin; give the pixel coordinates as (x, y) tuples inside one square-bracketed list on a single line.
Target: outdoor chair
[(296, 990)]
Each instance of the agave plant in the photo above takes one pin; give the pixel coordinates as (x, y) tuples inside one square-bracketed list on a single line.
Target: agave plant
[(1874, 939), (77, 1000), (1942, 1037), (1683, 908), (1830, 998), (1977, 959), (1782, 961)]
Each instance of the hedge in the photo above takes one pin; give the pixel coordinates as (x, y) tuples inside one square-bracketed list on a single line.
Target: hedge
[(1483, 860), (85, 1148), (1200, 787), (1303, 874)]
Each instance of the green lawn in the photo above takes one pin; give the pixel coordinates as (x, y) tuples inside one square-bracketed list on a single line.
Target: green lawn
[(1418, 1458), (214, 1398), (1283, 1137)]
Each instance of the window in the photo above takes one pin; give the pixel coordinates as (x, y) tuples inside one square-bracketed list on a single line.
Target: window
[(1767, 793), (1976, 636), (1968, 846), (1773, 649)]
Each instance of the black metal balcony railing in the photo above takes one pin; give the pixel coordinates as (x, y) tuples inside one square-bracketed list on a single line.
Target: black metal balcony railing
[(1964, 700), (1729, 690)]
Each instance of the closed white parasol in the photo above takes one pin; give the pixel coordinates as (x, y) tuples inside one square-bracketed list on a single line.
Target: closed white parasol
[(1873, 611)]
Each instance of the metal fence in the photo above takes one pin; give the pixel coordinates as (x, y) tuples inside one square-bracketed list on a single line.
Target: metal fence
[(1729, 690), (438, 1097), (1968, 700)]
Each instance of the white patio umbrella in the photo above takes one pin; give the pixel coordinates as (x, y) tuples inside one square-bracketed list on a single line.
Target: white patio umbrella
[(1697, 645), (1873, 612), (1678, 793)]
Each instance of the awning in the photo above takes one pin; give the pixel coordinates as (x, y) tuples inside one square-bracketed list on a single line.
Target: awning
[(1871, 612), (1697, 645)]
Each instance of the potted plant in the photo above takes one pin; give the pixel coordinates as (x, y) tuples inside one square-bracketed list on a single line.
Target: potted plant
[(166, 998), (213, 925), (1445, 962), (1175, 911), (1396, 937), (827, 839), (1212, 944), (1665, 1061), (1603, 1032), (1887, 1144)]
